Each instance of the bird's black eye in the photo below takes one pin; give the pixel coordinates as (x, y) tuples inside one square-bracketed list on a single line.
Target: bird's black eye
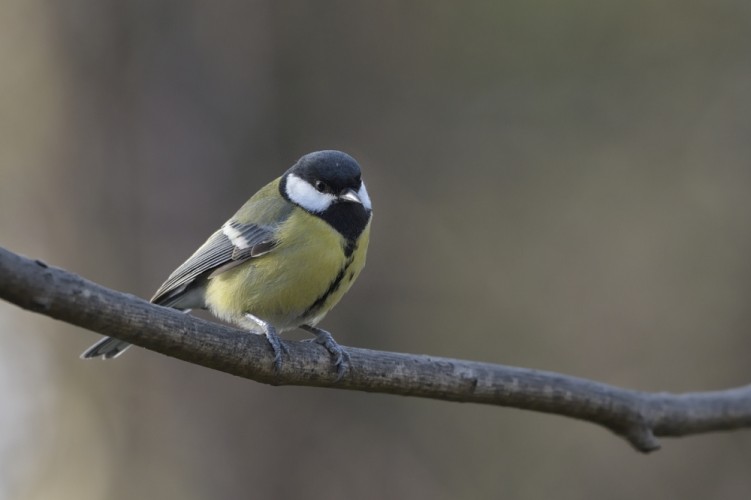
[(321, 187)]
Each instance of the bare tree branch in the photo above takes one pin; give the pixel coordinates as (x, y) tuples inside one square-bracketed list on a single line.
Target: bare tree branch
[(636, 416)]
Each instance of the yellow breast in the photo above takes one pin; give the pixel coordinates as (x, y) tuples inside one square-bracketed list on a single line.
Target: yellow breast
[(297, 283)]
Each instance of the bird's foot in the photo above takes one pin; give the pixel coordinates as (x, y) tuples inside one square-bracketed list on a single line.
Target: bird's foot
[(340, 355), (277, 346), (276, 343)]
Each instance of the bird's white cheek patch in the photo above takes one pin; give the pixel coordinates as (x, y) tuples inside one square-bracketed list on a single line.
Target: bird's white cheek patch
[(364, 198), (305, 195)]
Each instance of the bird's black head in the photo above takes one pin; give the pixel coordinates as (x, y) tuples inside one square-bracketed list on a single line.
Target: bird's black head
[(329, 185)]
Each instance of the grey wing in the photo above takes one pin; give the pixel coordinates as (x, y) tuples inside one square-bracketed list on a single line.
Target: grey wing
[(233, 244)]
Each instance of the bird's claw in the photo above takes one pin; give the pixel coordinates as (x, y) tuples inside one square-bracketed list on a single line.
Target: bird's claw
[(276, 343), (277, 346), (340, 355)]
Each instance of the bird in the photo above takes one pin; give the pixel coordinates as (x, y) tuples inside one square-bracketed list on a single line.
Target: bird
[(282, 261)]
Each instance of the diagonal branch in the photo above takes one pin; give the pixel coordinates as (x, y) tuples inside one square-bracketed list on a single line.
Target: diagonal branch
[(636, 416)]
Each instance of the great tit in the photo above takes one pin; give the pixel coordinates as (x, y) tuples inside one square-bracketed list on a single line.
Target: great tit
[(282, 261)]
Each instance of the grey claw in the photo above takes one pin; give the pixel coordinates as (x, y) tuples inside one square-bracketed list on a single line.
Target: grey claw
[(340, 355), (276, 343), (277, 346), (342, 363)]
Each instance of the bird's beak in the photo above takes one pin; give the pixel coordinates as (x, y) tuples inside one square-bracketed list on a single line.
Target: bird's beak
[(350, 195)]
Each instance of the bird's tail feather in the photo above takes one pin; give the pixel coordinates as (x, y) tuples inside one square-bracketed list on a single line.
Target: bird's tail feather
[(107, 348)]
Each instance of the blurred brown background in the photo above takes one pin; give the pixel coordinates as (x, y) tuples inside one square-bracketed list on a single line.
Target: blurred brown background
[(557, 185)]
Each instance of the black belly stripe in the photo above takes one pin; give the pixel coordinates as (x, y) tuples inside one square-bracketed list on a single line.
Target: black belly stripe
[(350, 247), (331, 289)]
